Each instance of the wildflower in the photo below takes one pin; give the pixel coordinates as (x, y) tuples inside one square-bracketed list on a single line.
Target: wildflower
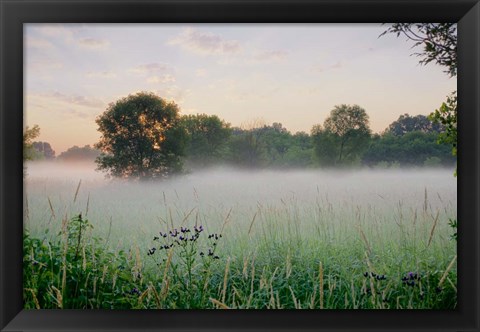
[(216, 257), (413, 276), (135, 291), (201, 253)]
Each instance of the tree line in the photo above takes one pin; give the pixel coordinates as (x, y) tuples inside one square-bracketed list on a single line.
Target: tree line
[(144, 136)]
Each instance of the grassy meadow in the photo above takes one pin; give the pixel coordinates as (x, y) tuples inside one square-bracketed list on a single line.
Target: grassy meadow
[(222, 238)]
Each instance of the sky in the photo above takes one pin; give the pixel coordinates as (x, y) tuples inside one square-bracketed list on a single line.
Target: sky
[(294, 74)]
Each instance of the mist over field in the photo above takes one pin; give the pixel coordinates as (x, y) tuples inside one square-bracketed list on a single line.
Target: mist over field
[(281, 232), (140, 207)]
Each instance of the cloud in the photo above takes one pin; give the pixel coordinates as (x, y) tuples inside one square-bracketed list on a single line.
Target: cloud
[(44, 65), (204, 43), (54, 30), (268, 56), (79, 100), (201, 72), (322, 68), (69, 34), (79, 114), (167, 78), (63, 106), (38, 43), (149, 68), (101, 74), (93, 43), (173, 93)]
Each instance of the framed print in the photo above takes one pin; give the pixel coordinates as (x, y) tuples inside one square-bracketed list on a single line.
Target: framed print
[(261, 165)]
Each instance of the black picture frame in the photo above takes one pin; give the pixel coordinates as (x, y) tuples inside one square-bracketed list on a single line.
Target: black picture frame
[(14, 13)]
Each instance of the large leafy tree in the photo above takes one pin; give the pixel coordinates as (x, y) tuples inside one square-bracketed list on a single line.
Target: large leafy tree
[(141, 138), (207, 137), (344, 136)]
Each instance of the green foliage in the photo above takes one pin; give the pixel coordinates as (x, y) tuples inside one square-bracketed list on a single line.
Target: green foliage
[(439, 42), (324, 146), (270, 146), (247, 148), (73, 270), (295, 247), (206, 140), (412, 149), (406, 124), (79, 154), (344, 136), (28, 136), (43, 150), (446, 115), (186, 260), (141, 138), (300, 151), (453, 224)]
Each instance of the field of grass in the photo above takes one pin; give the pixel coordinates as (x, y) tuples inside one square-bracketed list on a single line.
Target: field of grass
[(244, 240)]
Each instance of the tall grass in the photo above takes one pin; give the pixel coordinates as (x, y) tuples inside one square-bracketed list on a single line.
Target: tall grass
[(294, 240)]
